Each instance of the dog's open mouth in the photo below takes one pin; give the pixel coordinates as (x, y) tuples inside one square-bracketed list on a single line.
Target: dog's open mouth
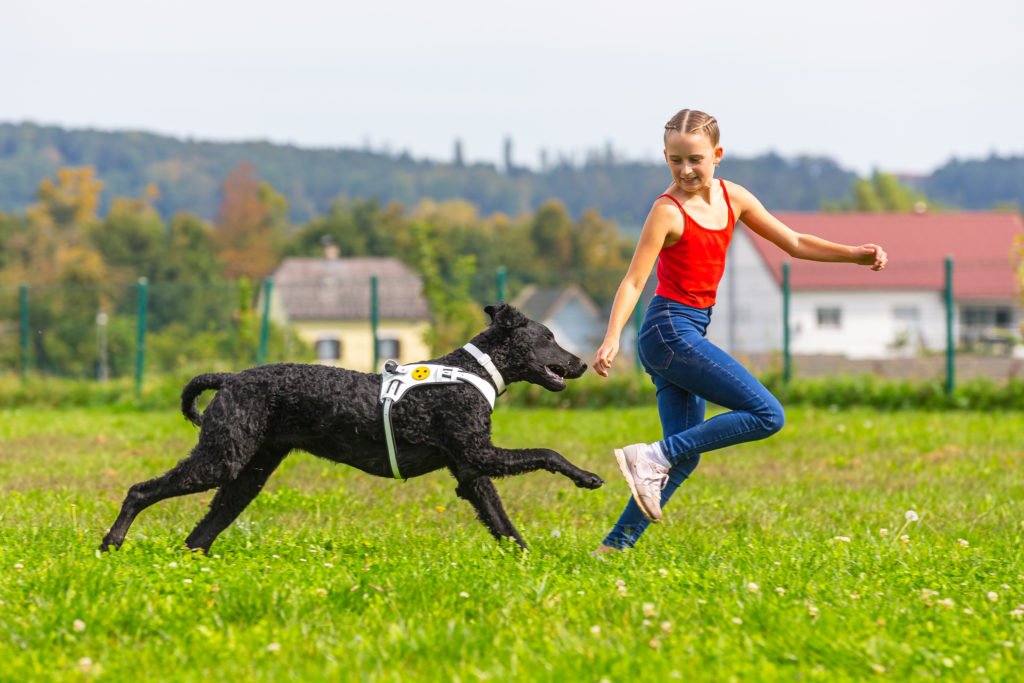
[(556, 373)]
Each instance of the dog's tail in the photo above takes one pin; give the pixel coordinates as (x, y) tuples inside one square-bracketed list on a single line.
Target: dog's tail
[(199, 384)]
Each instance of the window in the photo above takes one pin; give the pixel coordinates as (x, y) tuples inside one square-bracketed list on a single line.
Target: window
[(830, 317), (388, 347), (906, 314), (328, 348)]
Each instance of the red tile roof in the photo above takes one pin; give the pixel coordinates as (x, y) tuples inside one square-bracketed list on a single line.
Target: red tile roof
[(917, 245)]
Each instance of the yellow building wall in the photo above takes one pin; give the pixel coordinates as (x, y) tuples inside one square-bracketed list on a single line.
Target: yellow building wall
[(357, 340)]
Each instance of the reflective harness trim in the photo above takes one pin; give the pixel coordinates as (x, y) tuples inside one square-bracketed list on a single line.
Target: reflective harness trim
[(396, 380)]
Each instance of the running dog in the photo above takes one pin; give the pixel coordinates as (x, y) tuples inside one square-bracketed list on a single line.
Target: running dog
[(259, 415)]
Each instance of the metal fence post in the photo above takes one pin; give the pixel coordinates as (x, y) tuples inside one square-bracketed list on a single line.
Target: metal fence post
[(23, 291), (501, 283), (950, 340), (140, 342), (787, 358), (374, 320), (268, 287)]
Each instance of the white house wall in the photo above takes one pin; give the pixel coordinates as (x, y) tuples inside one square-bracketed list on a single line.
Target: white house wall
[(747, 317), (871, 324)]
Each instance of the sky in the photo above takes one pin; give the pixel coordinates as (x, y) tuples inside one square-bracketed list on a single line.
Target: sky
[(895, 85)]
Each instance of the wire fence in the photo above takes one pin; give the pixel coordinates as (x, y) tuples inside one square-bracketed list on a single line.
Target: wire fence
[(787, 322)]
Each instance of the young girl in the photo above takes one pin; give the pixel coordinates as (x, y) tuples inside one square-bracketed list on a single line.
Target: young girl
[(687, 232)]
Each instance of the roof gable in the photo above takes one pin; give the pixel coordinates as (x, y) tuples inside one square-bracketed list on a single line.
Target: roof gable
[(917, 245)]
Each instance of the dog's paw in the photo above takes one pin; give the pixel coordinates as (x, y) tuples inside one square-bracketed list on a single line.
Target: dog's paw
[(589, 480)]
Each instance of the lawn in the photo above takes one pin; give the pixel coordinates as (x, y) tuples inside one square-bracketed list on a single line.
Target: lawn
[(791, 558)]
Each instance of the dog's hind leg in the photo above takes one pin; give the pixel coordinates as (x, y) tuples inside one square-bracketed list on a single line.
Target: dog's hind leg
[(213, 462), (234, 496), (483, 496)]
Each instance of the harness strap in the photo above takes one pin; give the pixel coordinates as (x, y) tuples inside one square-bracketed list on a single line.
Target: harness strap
[(396, 380), (488, 365)]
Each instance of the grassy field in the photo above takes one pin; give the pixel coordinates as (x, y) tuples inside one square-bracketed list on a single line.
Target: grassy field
[(788, 559)]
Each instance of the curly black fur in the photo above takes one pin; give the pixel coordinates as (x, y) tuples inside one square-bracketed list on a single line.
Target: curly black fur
[(260, 415)]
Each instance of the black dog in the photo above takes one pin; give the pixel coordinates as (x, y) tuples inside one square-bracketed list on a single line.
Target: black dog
[(261, 414)]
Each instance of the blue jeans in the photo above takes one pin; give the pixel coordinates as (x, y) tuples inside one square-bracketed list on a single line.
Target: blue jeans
[(688, 370)]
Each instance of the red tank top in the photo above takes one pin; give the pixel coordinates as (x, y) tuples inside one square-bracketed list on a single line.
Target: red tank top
[(689, 271)]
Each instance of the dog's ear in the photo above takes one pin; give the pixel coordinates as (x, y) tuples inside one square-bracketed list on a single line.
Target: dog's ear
[(504, 314)]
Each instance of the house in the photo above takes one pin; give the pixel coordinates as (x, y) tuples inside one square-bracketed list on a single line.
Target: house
[(569, 313), (329, 304), (852, 311)]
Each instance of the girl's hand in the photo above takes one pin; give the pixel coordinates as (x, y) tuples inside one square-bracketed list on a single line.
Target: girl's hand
[(872, 255), (603, 359)]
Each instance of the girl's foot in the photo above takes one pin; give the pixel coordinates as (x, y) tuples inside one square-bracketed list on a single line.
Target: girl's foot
[(604, 550), (645, 476)]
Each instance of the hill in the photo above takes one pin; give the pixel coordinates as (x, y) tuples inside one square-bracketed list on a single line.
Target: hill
[(189, 173)]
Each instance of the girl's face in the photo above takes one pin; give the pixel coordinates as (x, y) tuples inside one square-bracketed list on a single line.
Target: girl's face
[(692, 160)]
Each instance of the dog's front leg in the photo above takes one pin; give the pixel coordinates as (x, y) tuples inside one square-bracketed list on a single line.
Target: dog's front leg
[(483, 496), (503, 462)]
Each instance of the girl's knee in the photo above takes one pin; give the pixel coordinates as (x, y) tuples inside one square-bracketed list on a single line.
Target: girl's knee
[(773, 416)]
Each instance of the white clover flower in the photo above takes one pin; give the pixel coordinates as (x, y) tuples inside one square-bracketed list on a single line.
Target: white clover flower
[(945, 603), (963, 542), (595, 629), (172, 565), (274, 647), (842, 539), (905, 538), (649, 610), (321, 592), (911, 516), (186, 580), (663, 572), (992, 596), (780, 590), (812, 610), (85, 664), (78, 626), (463, 594), (753, 587), (737, 621), (883, 532), (666, 626)]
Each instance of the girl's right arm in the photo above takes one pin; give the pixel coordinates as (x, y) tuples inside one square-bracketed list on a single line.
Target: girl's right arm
[(663, 220)]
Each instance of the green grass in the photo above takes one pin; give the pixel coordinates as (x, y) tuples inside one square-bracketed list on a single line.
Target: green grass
[(333, 575)]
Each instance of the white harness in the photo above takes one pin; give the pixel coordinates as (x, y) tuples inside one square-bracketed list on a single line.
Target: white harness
[(396, 380)]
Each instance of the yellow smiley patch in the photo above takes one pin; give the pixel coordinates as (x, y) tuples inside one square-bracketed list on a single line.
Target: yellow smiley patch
[(421, 373)]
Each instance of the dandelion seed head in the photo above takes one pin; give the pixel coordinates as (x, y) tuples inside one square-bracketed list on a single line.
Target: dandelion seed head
[(911, 516), (555, 533)]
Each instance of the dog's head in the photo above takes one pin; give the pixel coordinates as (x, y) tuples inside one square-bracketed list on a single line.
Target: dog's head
[(524, 350)]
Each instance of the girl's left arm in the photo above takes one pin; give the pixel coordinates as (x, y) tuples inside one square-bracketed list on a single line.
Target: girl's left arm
[(799, 245)]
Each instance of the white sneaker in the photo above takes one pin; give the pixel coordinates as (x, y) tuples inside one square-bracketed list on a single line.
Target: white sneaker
[(645, 477)]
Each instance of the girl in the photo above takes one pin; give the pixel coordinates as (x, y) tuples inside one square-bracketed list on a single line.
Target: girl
[(687, 232)]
